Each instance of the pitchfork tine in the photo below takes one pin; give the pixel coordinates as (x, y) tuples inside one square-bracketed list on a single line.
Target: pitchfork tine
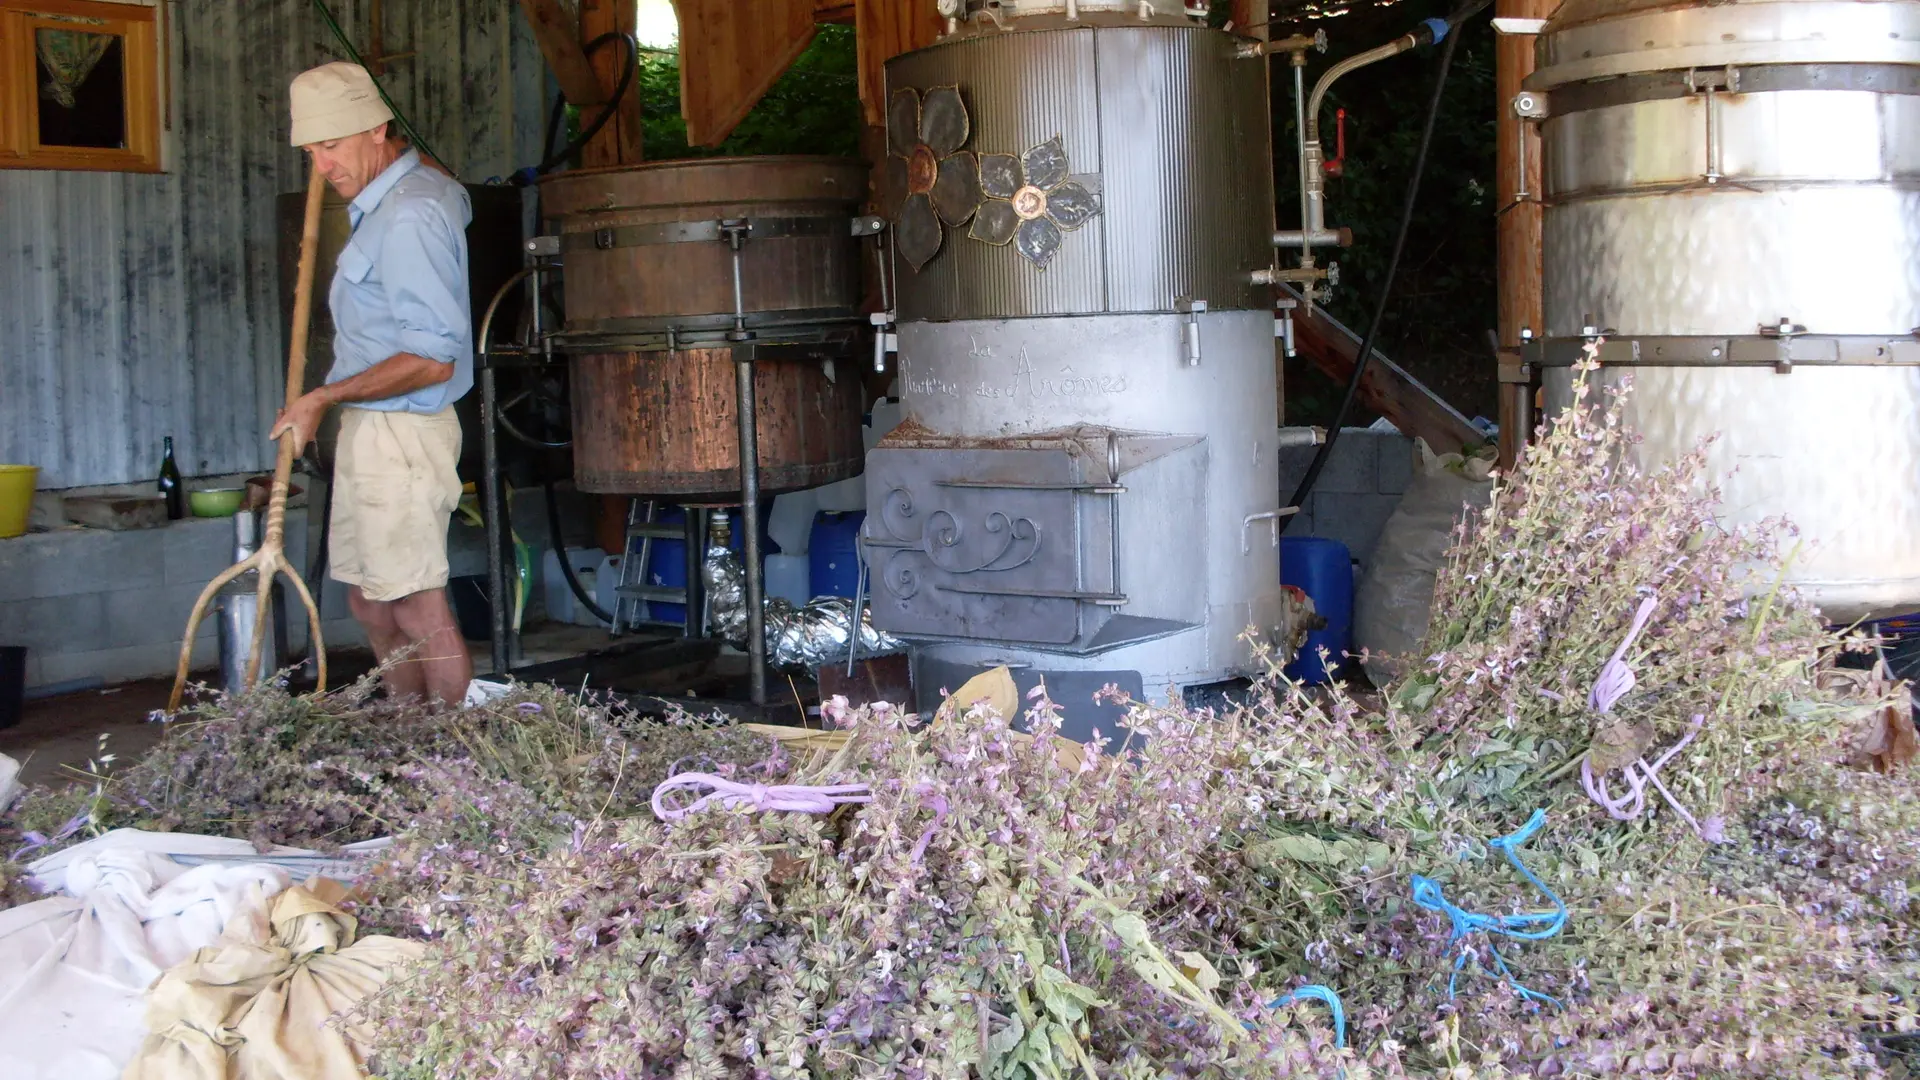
[(193, 625)]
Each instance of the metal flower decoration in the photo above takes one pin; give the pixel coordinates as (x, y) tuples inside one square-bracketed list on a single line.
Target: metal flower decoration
[(941, 181), (1031, 202), (1028, 200)]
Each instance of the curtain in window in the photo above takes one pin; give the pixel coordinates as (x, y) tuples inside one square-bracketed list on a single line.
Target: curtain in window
[(70, 56)]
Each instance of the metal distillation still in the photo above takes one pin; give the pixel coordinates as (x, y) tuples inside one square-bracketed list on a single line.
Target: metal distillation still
[(1731, 205), (1085, 487), (711, 323)]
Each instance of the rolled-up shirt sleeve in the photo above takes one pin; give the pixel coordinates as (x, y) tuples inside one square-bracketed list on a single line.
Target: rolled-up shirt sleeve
[(422, 273)]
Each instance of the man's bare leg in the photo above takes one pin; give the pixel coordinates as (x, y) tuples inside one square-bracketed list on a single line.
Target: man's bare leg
[(377, 618), (441, 657)]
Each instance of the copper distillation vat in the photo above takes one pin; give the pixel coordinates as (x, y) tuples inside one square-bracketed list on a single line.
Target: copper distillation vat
[(712, 316)]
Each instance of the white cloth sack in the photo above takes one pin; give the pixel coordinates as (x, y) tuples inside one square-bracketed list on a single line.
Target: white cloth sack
[(9, 782), (1395, 597), (75, 967), (486, 691)]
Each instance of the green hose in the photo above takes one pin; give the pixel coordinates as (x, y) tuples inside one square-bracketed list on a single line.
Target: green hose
[(354, 54)]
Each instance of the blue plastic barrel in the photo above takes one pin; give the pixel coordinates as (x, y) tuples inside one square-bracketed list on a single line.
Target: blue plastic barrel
[(1323, 569), (833, 553)]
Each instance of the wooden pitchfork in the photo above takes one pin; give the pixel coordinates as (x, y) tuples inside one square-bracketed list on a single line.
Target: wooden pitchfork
[(271, 557)]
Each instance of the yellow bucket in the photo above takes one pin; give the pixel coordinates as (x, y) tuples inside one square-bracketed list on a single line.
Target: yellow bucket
[(16, 498)]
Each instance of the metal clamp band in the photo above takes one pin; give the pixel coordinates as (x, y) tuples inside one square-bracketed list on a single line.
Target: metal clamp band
[(1754, 79), (700, 232), (1782, 352), (1744, 55), (668, 334)]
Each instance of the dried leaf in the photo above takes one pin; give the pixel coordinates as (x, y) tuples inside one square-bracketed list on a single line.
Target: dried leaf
[(1887, 742), (1619, 741), (1195, 967)]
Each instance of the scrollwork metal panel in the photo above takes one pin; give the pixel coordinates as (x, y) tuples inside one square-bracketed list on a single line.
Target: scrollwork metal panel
[(1002, 544)]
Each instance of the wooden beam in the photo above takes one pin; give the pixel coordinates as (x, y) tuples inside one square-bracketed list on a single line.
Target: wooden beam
[(1517, 230), (558, 33), (833, 11), (1386, 388), (731, 54), (887, 28), (620, 142)]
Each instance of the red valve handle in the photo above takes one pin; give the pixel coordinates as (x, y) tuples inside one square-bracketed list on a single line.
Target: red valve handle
[(1338, 166)]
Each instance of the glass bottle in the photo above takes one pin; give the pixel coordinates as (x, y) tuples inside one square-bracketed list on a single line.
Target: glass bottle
[(170, 486)]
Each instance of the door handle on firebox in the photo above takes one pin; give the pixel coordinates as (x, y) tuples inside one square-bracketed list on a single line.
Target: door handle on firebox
[(1272, 518)]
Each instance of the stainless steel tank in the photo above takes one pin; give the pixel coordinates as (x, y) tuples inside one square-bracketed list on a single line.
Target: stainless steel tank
[(651, 285), (1732, 201), (1086, 483)]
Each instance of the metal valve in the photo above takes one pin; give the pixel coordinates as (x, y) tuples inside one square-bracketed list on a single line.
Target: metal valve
[(1337, 167), (884, 339), (1190, 329)]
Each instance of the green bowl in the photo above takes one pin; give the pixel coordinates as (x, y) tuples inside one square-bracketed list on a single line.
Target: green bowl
[(216, 502)]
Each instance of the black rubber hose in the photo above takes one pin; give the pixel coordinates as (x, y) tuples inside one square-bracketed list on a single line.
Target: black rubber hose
[(1393, 266), (586, 135), (566, 564)]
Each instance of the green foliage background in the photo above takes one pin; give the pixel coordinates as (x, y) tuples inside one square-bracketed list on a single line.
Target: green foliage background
[(1444, 301), (813, 109), (1444, 298)]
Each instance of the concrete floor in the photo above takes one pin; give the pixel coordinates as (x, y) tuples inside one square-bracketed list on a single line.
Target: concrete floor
[(60, 734), (57, 736)]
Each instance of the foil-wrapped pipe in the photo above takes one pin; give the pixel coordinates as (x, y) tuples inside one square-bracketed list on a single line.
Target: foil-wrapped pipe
[(806, 637)]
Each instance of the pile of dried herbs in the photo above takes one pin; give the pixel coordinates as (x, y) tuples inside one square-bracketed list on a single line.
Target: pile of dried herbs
[(1715, 878)]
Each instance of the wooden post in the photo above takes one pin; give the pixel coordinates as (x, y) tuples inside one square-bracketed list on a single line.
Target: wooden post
[(1517, 230), (620, 142), (1250, 17)]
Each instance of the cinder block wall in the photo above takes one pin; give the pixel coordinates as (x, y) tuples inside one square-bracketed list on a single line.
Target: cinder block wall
[(1357, 491), (93, 603)]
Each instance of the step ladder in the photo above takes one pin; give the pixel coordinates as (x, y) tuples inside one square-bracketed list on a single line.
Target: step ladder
[(635, 596)]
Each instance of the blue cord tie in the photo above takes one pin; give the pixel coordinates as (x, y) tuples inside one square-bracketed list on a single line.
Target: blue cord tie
[(1321, 994), (1536, 926), (1439, 28)]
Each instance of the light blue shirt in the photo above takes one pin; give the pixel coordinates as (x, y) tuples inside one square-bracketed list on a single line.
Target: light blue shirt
[(401, 283)]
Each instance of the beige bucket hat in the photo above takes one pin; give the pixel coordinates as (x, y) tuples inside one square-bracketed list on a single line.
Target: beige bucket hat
[(333, 101)]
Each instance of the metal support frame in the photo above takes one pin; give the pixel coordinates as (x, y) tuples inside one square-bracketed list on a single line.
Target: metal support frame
[(735, 233), (493, 484), (750, 524), (696, 532)]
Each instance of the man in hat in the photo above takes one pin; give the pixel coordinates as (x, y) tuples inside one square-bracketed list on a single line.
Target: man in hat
[(402, 355)]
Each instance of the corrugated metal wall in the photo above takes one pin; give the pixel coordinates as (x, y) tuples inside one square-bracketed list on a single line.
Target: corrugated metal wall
[(138, 306)]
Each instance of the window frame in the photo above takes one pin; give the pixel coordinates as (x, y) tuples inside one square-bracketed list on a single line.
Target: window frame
[(20, 146)]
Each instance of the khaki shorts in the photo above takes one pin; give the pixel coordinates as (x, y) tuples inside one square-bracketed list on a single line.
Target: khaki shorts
[(396, 484)]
